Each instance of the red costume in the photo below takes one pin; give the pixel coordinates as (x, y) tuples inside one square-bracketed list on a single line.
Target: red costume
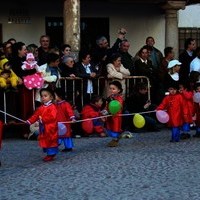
[(114, 123), (188, 106), (48, 115), (92, 111), (174, 106), (65, 113)]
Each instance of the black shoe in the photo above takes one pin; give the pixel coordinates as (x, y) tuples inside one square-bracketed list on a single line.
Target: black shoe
[(66, 150)]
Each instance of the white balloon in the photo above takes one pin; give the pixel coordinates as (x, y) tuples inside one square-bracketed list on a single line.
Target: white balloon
[(196, 97)]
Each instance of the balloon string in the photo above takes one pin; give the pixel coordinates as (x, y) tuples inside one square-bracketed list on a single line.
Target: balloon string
[(13, 116), (88, 119)]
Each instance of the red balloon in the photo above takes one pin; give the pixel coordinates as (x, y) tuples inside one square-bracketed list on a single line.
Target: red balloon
[(87, 127)]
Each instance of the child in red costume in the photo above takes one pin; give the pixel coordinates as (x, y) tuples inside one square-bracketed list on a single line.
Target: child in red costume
[(93, 110), (173, 103), (46, 114), (113, 124), (187, 95), (65, 114)]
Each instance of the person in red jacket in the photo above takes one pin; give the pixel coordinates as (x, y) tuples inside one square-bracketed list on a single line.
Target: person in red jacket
[(187, 95), (93, 110), (46, 114), (65, 114), (114, 123), (173, 104)]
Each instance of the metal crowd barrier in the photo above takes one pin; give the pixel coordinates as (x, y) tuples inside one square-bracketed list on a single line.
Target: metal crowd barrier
[(4, 106), (128, 80)]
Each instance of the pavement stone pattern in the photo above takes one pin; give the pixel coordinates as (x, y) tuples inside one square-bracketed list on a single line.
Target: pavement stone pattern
[(145, 167)]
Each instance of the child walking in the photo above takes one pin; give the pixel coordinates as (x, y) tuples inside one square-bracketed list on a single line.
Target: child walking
[(46, 114), (65, 113), (113, 124), (173, 103), (93, 110)]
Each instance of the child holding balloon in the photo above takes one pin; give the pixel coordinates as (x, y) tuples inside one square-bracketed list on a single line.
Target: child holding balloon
[(65, 114), (173, 104), (46, 114), (113, 123)]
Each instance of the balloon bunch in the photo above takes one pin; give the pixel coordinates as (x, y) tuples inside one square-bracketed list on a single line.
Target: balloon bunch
[(139, 120)]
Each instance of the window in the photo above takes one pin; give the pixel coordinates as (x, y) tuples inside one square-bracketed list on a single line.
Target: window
[(185, 33)]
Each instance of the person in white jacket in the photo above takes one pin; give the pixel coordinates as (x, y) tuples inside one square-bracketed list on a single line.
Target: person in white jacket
[(117, 71), (50, 73)]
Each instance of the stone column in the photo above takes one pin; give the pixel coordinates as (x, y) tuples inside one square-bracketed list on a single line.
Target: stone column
[(171, 24), (71, 24)]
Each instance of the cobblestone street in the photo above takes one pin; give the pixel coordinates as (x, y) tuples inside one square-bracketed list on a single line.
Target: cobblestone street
[(146, 167)]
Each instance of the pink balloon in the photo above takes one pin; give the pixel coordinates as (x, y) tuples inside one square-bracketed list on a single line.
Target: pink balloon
[(196, 97), (162, 116)]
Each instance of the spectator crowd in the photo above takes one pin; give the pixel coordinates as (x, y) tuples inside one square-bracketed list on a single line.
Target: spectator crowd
[(89, 81)]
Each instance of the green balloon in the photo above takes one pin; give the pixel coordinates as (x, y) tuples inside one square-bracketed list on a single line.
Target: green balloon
[(114, 107)]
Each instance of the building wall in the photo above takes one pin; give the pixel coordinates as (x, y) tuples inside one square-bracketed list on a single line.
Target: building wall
[(140, 21), (28, 33)]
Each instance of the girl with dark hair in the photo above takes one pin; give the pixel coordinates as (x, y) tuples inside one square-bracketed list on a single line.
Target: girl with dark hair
[(46, 114)]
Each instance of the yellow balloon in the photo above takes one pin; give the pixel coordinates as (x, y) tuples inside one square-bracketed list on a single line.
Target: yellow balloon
[(138, 121)]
